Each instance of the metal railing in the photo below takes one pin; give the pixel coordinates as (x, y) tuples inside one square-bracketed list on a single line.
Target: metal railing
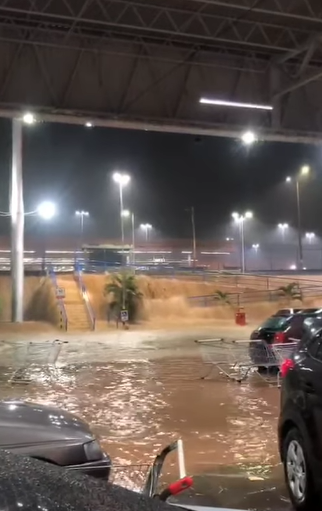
[(249, 297), (84, 294), (63, 320)]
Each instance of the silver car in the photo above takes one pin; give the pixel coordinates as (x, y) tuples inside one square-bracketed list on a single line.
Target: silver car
[(53, 435)]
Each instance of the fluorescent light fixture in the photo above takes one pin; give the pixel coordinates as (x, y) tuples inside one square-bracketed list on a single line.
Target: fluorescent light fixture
[(234, 104)]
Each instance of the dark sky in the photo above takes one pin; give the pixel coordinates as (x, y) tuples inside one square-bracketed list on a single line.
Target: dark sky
[(73, 165)]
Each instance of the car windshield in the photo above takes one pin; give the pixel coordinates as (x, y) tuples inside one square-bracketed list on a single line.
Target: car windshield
[(275, 323)]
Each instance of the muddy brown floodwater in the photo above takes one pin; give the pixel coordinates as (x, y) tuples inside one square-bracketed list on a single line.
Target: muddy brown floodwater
[(228, 430)]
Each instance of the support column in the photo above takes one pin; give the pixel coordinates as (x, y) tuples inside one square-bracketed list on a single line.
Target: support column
[(17, 225)]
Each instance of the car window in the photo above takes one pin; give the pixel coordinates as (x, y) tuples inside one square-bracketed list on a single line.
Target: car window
[(296, 325), (276, 323)]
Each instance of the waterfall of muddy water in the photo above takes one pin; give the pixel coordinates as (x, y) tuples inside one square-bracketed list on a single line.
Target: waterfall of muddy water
[(138, 407)]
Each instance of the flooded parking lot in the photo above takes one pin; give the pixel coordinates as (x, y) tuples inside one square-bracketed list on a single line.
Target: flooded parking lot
[(140, 405)]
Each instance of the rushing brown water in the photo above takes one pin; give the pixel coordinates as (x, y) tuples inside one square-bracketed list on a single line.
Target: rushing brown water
[(138, 407)]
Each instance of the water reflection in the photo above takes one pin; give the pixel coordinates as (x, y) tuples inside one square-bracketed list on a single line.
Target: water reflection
[(138, 407)]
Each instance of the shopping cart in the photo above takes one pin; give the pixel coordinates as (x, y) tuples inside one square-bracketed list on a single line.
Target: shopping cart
[(283, 352), (237, 359), (144, 478), (34, 360)]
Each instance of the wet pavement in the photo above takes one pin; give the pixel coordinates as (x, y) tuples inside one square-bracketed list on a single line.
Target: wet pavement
[(143, 394)]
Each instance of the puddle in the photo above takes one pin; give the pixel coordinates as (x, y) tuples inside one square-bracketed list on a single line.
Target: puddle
[(228, 430)]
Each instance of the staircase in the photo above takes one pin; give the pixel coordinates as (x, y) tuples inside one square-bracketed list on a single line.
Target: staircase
[(75, 307)]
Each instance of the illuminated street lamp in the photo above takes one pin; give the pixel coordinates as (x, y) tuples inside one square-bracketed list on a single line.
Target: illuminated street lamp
[(303, 173), (122, 180), (240, 219), (310, 236), (255, 246), (283, 228), (146, 228), (81, 214), (127, 214)]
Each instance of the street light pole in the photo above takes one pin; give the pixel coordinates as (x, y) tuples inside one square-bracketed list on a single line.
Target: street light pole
[(122, 180), (299, 227), (81, 215), (283, 228), (17, 225), (241, 219), (304, 171), (133, 239), (146, 228), (126, 214), (242, 244), (194, 242)]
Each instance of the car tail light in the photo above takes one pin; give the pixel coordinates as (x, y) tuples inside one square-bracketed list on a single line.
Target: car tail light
[(286, 366), (279, 337)]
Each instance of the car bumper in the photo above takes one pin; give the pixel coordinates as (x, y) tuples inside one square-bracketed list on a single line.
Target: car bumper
[(99, 469)]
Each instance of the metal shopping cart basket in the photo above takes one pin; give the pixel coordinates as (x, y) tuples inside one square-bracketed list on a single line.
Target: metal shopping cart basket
[(283, 352), (238, 358), (33, 360), (144, 478)]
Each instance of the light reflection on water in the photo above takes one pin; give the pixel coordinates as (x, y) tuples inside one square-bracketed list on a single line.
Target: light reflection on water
[(138, 407)]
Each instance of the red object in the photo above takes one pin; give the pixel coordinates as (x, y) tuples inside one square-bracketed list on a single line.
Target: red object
[(279, 337), (240, 318), (286, 366), (176, 488), (181, 485)]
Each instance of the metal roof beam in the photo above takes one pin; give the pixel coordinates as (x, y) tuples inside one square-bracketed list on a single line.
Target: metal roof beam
[(299, 84), (135, 19)]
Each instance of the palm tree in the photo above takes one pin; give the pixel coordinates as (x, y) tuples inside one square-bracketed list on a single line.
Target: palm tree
[(222, 297), (290, 292), (123, 282)]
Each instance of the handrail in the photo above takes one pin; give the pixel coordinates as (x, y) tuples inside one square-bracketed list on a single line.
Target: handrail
[(251, 296), (61, 305), (83, 291)]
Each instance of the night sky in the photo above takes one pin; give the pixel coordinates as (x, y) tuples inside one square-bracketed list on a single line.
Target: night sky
[(73, 166)]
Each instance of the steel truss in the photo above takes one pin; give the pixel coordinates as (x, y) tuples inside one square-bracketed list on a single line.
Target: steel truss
[(146, 63)]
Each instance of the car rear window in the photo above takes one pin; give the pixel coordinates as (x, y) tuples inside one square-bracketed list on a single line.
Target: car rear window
[(275, 323)]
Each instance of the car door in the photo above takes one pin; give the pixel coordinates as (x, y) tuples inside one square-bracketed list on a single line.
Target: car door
[(310, 372)]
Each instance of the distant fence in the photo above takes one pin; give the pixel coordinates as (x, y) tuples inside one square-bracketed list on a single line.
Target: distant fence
[(249, 297)]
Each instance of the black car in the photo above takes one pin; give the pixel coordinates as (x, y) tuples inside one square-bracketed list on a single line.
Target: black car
[(287, 311), (300, 421), (278, 329)]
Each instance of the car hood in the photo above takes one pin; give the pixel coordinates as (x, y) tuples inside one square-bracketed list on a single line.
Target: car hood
[(23, 423)]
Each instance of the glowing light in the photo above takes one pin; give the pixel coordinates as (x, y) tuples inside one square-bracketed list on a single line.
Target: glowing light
[(122, 179), (46, 210), (234, 104), (81, 213), (29, 118), (248, 138)]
